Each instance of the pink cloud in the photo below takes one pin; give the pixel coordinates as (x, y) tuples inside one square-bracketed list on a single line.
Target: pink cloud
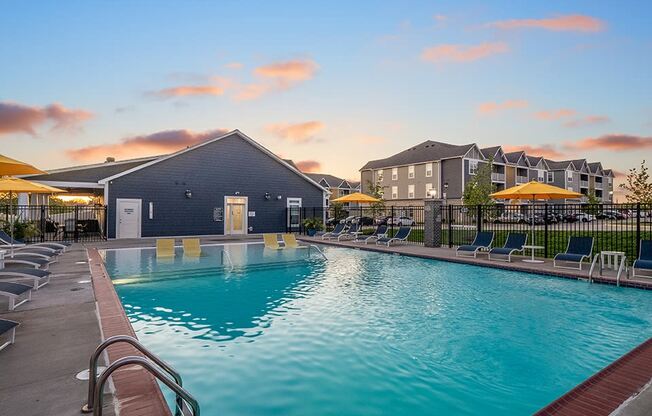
[(161, 142), (308, 166), (189, 91), (288, 72), (296, 133), (233, 65), (613, 142), (587, 121), (462, 53), (493, 107), (576, 23), (18, 118), (546, 151), (555, 114)]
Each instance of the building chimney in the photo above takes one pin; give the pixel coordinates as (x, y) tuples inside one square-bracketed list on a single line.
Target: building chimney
[(109, 159)]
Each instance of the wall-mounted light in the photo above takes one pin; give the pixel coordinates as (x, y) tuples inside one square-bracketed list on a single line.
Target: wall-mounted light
[(237, 192), (188, 193), (268, 196), (279, 197)]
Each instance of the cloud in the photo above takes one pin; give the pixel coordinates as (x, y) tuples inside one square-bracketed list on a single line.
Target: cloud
[(233, 65), (297, 133), (613, 142), (188, 90), (587, 121), (493, 107), (462, 53), (550, 115), (545, 150), (288, 72), (252, 91), (308, 166), (440, 17), (18, 118), (575, 23), (161, 142)]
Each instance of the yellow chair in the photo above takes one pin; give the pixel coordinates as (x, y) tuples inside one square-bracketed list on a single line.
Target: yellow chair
[(291, 241), (271, 242), (191, 247), (165, 247)]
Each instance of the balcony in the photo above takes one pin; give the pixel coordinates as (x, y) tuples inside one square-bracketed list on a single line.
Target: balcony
[(584, 184), (598, 185), (497, 177), (521, 179)]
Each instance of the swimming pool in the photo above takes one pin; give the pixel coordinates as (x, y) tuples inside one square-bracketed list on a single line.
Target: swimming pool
[(372, 333)]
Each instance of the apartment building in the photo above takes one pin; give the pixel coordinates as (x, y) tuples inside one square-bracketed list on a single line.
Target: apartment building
[(435, 169), (336, 186)]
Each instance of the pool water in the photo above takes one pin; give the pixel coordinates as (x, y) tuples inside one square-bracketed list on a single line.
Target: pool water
[(372, 334)]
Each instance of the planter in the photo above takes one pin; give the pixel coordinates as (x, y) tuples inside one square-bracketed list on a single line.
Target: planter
[(311, 232)]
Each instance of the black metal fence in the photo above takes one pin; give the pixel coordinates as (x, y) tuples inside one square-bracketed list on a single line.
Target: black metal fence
[(615, 227), (39, 223)]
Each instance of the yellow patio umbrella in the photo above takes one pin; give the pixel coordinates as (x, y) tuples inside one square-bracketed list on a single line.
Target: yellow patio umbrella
[(9, 184), (9, 166), (357, 197), (532, 191)]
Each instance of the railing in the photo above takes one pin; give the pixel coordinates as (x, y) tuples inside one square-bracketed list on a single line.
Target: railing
[(598, 185), (314, 247), (495, 176), (227, 256), (41, 223), (521, 179), (584, 184)]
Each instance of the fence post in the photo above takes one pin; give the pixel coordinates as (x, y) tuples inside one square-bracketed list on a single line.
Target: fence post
[(638, 229), (479, 220), (432, 211), (106, 222), (545, 230), (43, 225), (392, 225), (76, 222), (450, 226)]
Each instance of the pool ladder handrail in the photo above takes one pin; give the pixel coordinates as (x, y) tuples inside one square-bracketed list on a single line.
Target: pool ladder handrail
[(91, 404), (621, 267), (225, 254), (311, 246)]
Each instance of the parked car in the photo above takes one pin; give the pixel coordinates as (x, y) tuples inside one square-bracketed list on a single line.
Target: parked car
[(382, 220), (400, 221), (511, 218), (537, 219), (584, 217), (363, 220), (611, 215), (332, 221), (571, 217)]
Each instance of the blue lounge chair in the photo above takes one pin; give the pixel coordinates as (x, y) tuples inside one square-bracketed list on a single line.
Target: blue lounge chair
[(380, 231), (38, 277), (37, 252), (7, 241), (514, 244), (8, 327), (482, 241), (579, 248), (401, 235), (644, 261), (13, 291), (351, 233), (34, 261), (337, 231)]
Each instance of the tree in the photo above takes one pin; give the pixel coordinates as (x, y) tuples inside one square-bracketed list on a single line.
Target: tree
[(638, 185), (377, 191), (478, 190), (592, 203)]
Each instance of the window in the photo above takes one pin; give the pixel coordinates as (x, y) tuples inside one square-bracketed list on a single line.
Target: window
[(569, 176), (551, 177), (411, 191), (610, 180), (394, 174), (411, 172), (394, 192), (428, 170), (430, 191), (379, 175), (473, 167), (541, 175)]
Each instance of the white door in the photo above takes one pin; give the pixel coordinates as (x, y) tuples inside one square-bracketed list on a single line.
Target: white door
[(128, 218), (294, 214), (235, 221)]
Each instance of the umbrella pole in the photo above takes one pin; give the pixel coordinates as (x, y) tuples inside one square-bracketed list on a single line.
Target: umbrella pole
[(11, 224)]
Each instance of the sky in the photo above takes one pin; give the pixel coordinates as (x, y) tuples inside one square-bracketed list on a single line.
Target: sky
[(330, 85)]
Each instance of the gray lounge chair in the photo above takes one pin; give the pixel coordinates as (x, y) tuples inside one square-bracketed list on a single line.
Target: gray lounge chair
[(482, 241), (401, 235), (351, 233), (380, 231), (34, 261), (36, 252), (7, 241), (13, 291), (337, 231), (38, 277), (578, 249), (644, 261), (8, 327), (514, 244)]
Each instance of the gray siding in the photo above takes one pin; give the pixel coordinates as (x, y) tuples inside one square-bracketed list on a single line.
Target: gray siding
[(211, 172), (452, 173)]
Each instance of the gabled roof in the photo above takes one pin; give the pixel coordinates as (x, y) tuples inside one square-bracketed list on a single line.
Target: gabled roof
[(595, 167), (427, 151), (91, 173), (535, 160), (514, 157), (495, 152), (330, 180), (291, 163), (579, 164), (609, 172), (563, 165), (209, 141)]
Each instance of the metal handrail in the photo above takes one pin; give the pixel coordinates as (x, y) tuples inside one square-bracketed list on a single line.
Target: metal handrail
[(147, 365), (311, 246), (92, 368), (228, 257), (593, 263), (623, 265)]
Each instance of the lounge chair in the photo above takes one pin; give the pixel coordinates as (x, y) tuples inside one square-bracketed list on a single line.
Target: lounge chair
[(644, 261), (380, 231), (337, 231), (271, 242), (191, 247), (7, 241), (13, 291), (401, 235), (482, 241), (165, 247), (34, 261), (8, 327), (39, 277), (514, 244), (351, 233), (290, 241), (37, 252), (579, 248)]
